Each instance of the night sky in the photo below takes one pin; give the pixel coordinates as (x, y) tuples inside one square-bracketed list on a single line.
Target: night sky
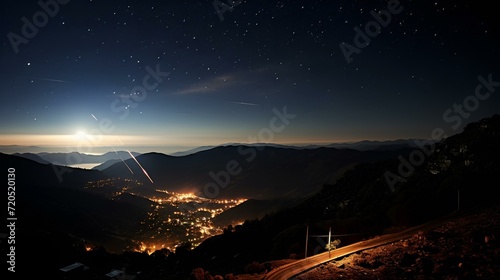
[(167, 75)]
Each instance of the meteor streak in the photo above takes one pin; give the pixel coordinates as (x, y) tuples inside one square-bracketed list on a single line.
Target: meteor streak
[(123, 161), (245, 103), (44, 79), (143, 170)]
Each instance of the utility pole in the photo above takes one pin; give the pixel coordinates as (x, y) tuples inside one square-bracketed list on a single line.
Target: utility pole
[(329, 240), (458, 202), (307, 238)]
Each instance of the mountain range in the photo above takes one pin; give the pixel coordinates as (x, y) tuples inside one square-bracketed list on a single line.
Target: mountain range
[(262, 172), (459, 173), (352, 191), (73, 158), (364, 145), (62, 158)]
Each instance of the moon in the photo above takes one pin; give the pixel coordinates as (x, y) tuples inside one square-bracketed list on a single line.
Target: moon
[(80, 134)]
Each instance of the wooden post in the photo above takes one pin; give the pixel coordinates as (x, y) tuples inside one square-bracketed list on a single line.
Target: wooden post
[(307, 238), (329, 240)]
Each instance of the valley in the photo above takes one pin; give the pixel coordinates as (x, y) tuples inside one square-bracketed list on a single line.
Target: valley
[(172, 218), (118, 218)]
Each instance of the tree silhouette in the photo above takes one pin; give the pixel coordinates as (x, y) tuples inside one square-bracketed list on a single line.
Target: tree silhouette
[(333, 245)]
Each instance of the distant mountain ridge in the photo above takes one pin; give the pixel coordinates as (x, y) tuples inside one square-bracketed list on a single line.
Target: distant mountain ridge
[(246, 171), (364, 145), (73, 158), (192, 151), (33, 157), (359, 145), (378, 145)]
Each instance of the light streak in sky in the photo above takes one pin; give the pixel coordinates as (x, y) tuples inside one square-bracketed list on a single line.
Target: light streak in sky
[(245, 103), (123, 161), (129, 169), (44, 79), (131, 155), (143, 170)]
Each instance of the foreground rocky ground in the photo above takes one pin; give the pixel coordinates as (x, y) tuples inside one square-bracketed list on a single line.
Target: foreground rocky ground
[(466, 248)]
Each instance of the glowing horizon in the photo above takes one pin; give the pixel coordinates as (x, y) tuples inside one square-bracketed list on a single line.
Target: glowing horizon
[(82, 140)]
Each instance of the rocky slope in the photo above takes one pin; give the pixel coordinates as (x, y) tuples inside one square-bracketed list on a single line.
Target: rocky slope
[(466, 248)]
